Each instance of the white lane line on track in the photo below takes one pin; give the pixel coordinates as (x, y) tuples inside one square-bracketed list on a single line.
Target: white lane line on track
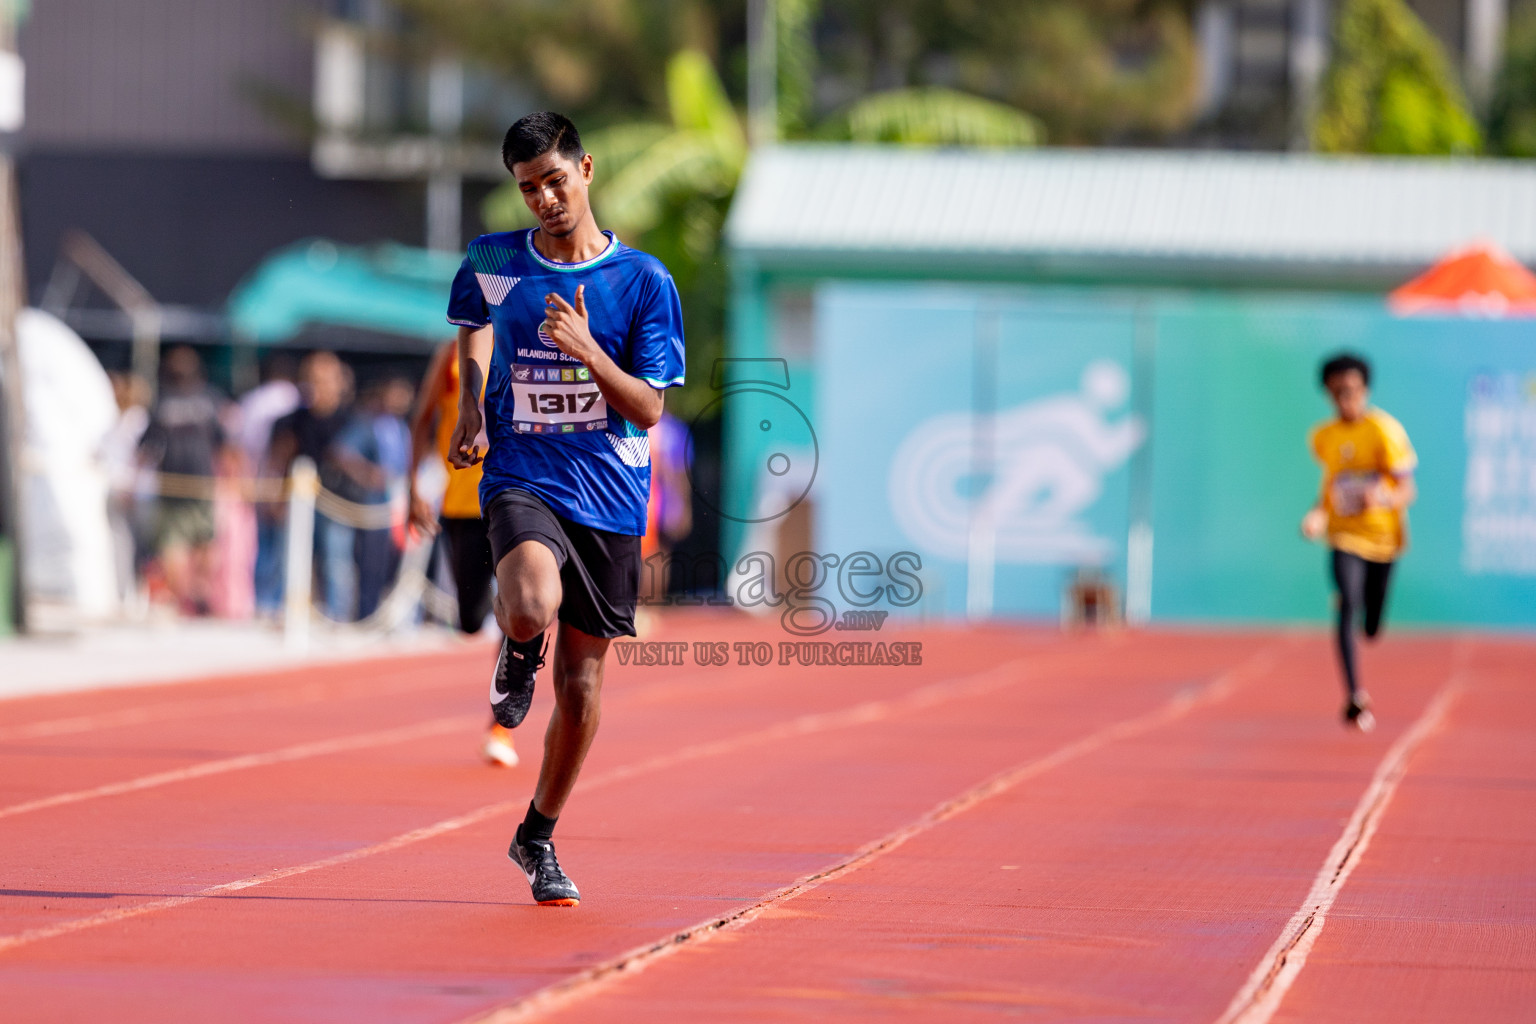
[(1265, 989), (597, 978), (203, 769), (309, 693), (9, 942), (924, 696), (863, 712)]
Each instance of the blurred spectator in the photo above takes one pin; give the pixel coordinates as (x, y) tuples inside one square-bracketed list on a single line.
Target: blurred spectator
[(373, 453), (671, 449), (669, 512), (325, 385), (69, 412), (463, 531), (234, 526), (260, 409), (458, 519), (182, 443), (130, 497)]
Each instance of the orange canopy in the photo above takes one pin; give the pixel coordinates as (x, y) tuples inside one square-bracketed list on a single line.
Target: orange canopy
[(1480, 280)]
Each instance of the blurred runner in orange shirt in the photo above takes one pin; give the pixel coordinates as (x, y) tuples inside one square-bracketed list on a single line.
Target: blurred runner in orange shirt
[(469, 548)]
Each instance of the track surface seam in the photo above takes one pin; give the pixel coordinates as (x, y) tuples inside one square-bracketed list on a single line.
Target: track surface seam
[(595, 979), (1260, 997)]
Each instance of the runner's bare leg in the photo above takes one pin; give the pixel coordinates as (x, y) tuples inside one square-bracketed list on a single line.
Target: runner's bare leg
[(579, 659), (528, 596), (528, 590)]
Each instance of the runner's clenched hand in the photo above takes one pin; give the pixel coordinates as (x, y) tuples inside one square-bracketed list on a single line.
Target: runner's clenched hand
[(464, 449)]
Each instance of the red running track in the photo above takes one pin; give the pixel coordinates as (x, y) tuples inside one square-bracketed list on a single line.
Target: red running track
[(1149, 826)]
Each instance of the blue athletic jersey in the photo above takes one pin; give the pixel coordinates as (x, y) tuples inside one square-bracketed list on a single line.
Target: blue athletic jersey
[(551, 432)]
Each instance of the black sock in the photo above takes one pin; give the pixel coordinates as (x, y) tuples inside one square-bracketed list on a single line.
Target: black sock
[(535, 826)]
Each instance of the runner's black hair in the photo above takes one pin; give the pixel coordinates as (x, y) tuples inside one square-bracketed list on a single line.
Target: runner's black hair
[(1343, 363), (533, 135)]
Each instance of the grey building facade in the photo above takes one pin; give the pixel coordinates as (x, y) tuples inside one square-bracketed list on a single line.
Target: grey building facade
[(177, 134)]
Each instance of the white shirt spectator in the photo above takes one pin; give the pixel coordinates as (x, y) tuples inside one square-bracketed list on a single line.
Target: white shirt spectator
[(261, 407)]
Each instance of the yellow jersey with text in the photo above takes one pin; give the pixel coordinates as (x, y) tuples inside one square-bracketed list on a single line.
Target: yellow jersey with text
[(1359, 458)]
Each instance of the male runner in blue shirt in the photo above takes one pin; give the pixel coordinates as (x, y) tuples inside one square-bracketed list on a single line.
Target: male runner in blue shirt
[(588, 334)]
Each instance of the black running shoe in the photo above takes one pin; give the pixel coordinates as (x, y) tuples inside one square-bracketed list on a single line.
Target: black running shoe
[(550, 886), (512, 681), (1357, 713)]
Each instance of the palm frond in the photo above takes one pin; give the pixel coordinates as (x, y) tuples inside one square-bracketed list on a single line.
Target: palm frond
[(700, 156), (698, 102), (615, 148), (690, 162), (935, 116)]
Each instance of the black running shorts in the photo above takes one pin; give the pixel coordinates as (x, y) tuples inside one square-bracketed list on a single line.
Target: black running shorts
[(599, 570)]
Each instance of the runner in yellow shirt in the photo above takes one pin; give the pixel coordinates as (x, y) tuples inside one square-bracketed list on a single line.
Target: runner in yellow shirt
[(469, 547), (1361, 510)]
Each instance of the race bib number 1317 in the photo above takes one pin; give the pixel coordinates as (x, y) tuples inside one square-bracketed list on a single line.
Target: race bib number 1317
[(556, 400)]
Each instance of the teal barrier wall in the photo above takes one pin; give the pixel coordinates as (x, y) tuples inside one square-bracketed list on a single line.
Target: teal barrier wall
[(900, 377), (1235, 394), (1186, 414)]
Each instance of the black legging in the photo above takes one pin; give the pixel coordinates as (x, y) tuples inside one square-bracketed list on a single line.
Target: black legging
[(1362, 585), (469, 554)]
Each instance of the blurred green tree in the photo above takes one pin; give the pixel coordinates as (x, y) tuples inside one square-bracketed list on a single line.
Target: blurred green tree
[(1512, 114), (1389, 88), (596, 60), (795, 39), (1091, 71), (932, 116)]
